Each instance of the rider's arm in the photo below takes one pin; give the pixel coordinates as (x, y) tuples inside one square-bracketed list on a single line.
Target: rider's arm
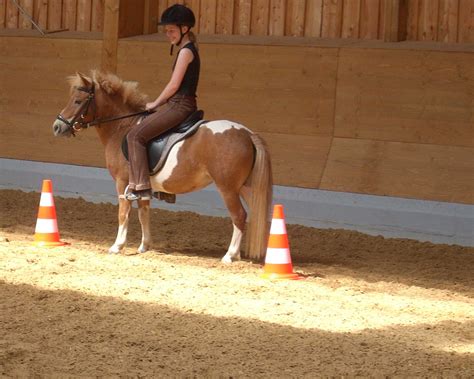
[(185, 57)]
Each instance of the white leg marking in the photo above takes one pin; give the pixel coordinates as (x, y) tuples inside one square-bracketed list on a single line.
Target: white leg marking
[(233, 253), (121, 238)]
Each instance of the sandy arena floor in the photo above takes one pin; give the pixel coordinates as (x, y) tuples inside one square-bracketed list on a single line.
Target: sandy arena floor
[(369, 306)]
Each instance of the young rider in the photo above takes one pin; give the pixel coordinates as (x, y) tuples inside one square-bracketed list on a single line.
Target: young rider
[(175, 103)]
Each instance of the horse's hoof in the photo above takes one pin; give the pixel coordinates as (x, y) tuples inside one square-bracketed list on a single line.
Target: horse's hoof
[(142, 249), (114, 249), (228, 259)]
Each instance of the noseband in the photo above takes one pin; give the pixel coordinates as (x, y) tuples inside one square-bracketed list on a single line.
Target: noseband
[(78, 118)]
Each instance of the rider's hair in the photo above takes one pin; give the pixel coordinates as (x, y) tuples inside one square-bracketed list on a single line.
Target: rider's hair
[(193, 39)]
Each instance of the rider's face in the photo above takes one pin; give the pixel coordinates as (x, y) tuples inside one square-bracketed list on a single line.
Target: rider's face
[(173, 33)]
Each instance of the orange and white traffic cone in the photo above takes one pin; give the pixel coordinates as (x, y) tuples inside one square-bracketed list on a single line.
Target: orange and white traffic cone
[(278, 259), (46, 231)]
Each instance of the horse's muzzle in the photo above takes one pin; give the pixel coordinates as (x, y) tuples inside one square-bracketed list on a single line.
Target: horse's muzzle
[(61, 129)]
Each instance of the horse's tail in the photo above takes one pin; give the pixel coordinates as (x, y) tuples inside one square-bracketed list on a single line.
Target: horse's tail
[(261, 200)]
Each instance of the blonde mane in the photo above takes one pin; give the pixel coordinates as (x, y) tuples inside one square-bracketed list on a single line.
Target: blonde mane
[(112, 85)]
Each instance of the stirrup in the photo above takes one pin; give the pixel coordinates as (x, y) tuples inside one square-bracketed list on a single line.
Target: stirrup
[(132, 196)]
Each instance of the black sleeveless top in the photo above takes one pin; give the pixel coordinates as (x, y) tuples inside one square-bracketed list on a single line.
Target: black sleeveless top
[(190, 81)]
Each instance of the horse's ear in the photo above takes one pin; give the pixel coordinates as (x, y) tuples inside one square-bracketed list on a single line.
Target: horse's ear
[(85, 80)]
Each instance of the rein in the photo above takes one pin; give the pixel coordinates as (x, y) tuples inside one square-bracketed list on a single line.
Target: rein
[(83, 110), (104, 120)]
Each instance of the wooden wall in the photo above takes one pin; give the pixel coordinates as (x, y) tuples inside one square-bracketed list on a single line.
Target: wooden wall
[(373, 119), (441, 20), (424, 20), (33, 91), (80, 15)]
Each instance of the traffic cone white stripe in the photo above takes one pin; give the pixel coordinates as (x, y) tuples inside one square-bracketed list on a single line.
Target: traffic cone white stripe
[(278, 226), (46, 199), (44, 225), (278, 256)]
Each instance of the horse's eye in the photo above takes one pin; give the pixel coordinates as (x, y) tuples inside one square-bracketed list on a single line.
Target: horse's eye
[(77, 101)]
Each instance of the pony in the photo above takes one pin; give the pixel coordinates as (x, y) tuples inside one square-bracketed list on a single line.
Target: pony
[(229, 154)]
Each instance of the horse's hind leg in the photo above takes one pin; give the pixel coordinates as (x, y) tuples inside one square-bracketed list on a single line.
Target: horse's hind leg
[(238, 215), (123, 217), (144, 217)]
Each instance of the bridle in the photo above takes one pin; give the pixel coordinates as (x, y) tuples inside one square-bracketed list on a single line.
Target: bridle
[(78, 121), (79, 117)]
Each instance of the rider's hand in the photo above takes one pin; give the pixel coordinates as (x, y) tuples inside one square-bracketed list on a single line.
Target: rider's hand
[(150, 106)]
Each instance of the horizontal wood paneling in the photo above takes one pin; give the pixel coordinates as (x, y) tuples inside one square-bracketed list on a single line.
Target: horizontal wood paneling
[(406, 96), (34, 91), (400, 169), (276, 89), (378, 121)]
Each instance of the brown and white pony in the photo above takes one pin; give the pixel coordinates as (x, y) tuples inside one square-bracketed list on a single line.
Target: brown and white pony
[(223, 152)]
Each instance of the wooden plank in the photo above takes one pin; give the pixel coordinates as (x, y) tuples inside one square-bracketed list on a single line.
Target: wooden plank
[(150, 22), (24, 23), (11, 16), (195, 6), (313, 21), (420, 171), (111, 35), (225, 17), (403, 20), (54, 14), (413, 20), (311, 156), (295, 18), (429, 20), (131, 18), (84, 15), (242, 17), (448, 21), (208, 17), (40, 13), (332, 19), (276, 26), (3, 9), (369, 19), (351, 19), (69, 14), (466, 21), (393, 95), (391, 26), (97, 21), (260, 17)]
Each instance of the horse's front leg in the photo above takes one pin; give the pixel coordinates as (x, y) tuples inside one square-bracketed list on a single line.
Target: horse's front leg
[(144, 217), (123, 217)]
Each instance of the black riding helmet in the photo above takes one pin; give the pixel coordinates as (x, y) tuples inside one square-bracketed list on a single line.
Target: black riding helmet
[(179, 15)]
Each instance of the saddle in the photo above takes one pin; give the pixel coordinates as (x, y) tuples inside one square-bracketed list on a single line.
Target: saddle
[(159, 147)]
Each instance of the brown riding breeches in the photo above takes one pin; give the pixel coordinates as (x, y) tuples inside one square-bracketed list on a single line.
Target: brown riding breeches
[(169, 115)]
